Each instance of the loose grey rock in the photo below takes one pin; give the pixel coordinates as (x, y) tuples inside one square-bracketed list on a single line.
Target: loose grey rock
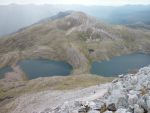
[(122, 111), (122, 102), (93, 111), (132, 100), (120, 76), (82, 110), (138, 109), (134, 80), (148, 103), (98, 106), (108, 112), (142, 102)]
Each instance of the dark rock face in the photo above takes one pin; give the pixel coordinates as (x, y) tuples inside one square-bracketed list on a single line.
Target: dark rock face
[(111, 107), (60, 15), (7, 97), (84, 109), (91, 51)]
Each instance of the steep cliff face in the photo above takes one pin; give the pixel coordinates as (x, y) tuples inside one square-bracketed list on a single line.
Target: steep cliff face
[(54, 38)]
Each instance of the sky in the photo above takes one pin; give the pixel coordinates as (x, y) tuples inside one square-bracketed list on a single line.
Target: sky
[(82, 2)]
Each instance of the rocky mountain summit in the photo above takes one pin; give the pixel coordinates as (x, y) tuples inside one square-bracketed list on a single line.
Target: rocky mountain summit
[(127, 94)]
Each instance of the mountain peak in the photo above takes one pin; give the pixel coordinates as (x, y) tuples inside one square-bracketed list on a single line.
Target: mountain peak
[(81, 17), (61, 15)]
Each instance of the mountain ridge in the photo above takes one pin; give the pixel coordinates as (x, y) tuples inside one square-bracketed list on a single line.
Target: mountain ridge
[(28, 14), (76, 33)]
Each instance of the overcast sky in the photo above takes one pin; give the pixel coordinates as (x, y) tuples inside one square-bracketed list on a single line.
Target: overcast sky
[(83, 2)]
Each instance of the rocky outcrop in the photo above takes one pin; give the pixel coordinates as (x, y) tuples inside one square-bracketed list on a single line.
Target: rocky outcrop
[(127, 94)]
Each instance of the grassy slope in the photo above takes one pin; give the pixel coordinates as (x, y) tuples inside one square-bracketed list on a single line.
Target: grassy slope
[(17, 89)]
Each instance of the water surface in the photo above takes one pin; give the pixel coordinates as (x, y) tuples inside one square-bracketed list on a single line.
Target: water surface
[(5, 70), (120, 65), (35, 68)]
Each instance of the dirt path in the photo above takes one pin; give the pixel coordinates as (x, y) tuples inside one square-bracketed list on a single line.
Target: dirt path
[(38, 102)]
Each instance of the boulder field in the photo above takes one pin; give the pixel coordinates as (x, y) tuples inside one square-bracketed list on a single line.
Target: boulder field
[(127, 94)]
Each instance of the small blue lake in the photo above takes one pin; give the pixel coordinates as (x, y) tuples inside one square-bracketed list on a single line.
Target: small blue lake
[(35, 68), (120, 65)]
